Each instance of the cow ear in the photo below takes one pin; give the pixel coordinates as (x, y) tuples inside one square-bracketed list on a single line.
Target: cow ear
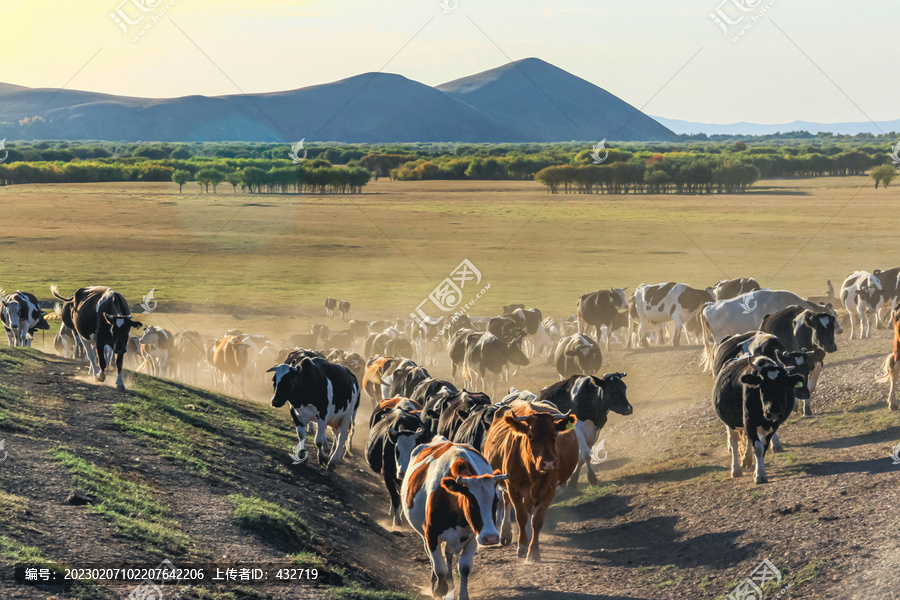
[(392, 433), (515, 424), (563, 424), (751, 380), (795, 380), (463, 414), (106, 318), (272, 369), (452, 485), (136, 324)]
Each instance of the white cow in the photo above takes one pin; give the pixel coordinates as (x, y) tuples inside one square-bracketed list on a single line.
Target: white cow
[(861, 294)]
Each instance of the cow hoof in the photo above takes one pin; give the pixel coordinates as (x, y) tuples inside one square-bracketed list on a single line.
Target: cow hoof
[(101, 377), (121, 388), (505, 541), (893, 407), (522, 552), (778, 448), (534, 557), (736, 474), (760, 480), (807, 411)]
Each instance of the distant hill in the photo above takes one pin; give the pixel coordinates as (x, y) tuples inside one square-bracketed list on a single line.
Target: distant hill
[(549, 104), (744, 128), (524, 101)]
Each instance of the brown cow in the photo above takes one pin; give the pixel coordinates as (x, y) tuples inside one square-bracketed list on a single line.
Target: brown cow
[(891, 369), (230, 356), (389, 404), (379, 375), (525, 446)]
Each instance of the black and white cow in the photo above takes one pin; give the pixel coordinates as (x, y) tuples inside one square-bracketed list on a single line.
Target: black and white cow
[(344, 307), (577, 355), (663, 302), (21, 316), (102, 321), (473, 430), (391, 442), (536, 337), (457, 346), (601, 309), (732, 288), (590, 399), (405, 378), (890, 289), (753, 398), (156, 344), (322, 393), (488, 356), (330, 305), (862, 293), (456, 409), (798, 329)]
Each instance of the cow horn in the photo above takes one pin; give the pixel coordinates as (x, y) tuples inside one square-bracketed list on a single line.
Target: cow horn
[(562, 415), (753, 365), (272, 369), (501, 477), (420, 431), (525, 418), (459, 480)]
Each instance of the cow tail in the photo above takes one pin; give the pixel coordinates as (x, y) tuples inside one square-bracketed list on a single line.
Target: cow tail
[(708, 347), (55, 291), (887, 369)]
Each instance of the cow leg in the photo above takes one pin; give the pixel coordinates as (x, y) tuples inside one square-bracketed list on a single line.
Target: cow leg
[(892, 394), (340, 443), (448, 557), (775, 444), (466, 560), (759, 450), (676, 337), (302, 453), (91, 353), (120, 381), (321, 442), (439, 567), (572, 484), (591, 475), (863, 320), (506, 522), (537, 523), (523, 512), (734, 438), (392, 485)]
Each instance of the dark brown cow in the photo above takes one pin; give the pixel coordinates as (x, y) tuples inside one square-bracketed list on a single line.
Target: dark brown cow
[(891, 370)]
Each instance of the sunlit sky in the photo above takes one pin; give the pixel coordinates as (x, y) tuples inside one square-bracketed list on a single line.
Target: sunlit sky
[(639, 50)]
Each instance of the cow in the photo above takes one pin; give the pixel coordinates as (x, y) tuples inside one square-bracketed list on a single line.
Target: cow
[(590, 399), (450, 496), (156, 343), (577, 354), (753, 398), (744, 313), (330, 305), (457, 346), (473, 430), (890, 289), (430, 388), (101, 319), (188, 356), (391, 442), (387, 405), (230, 357), (391, 342), (379, 376), (798, 329), (660, 303), (891, 369), (505, 328), (21, 316), (732, 288), (508, 308), (524, 447), (66, 344), (322, 393), (752, 343), (344, 308), (532, 322), (456, 409), (406, 378), (862, 293), (488, 356), (600, 309), (353, 361)]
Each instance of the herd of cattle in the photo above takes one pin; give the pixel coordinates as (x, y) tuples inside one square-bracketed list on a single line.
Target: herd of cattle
[(456, 464)]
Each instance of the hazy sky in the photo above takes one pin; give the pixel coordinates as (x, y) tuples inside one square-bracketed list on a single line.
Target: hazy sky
[(632, 48)]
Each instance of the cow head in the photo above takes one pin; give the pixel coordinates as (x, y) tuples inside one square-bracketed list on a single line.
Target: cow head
[(540, 431), (776, 387), (799, 363), (823, 327), (612, 389), (478, 497), (10, 309), (585, 354), (620, 301), (828, 307), (404, 443), (120, 327), (285, 380)]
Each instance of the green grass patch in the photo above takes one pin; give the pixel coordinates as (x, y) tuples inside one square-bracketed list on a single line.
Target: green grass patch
[(587, 494), (18, 553), (128, 503), (270, 521), (203, 437), (810, 571), (355, 593)]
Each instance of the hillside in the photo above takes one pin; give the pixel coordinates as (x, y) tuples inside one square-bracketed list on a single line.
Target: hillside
[(177, 473), (501, 105)]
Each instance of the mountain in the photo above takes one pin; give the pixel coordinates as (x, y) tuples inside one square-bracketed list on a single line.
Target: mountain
[(744, 128), (525, 101), (549, 104)]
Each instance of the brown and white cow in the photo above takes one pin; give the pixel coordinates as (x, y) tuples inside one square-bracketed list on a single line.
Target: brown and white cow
[(891, 369), (450, 497), (230, 356), (524, 447), (101, 319)]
